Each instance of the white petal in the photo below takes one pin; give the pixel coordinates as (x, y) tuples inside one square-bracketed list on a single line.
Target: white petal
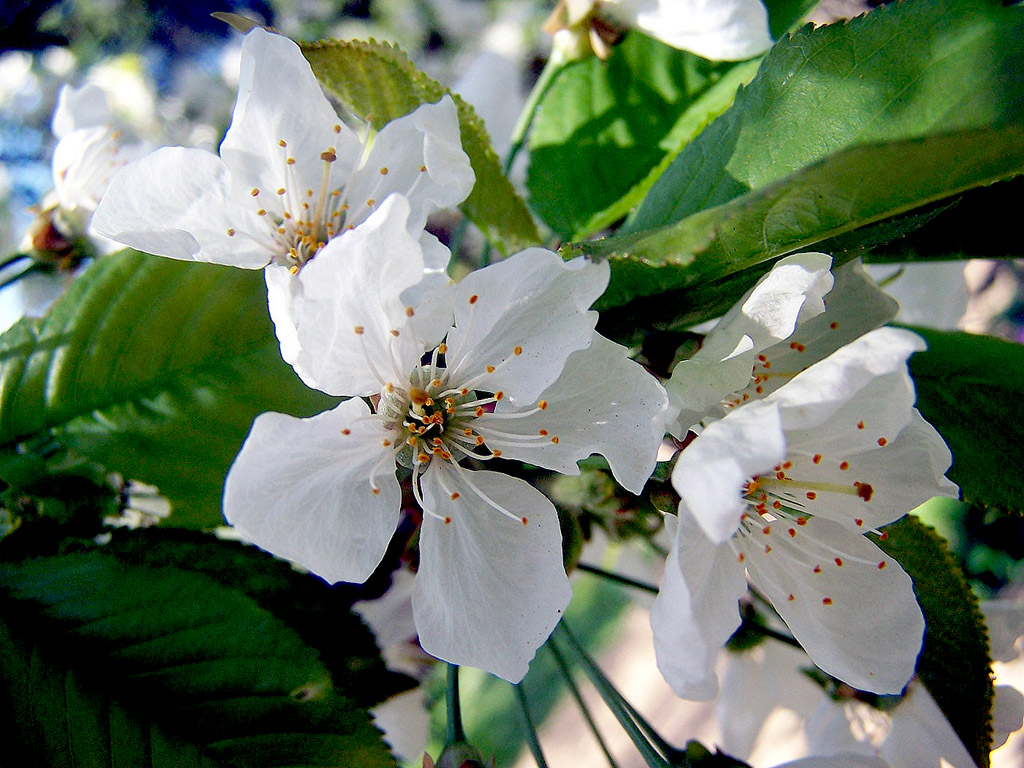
[(602, 403), (790, 294), (490, 589), (78, 108), (301, 489), (279, 99), (922, 736), (711, 472), (424, 162), (175, 203), (533, 300), (696, 610), (901, 475), (722, 30), (850, 605), (866, 380), (357, 281)]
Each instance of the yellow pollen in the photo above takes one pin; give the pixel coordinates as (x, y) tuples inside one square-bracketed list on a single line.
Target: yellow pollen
[(490, 369), (543, 405), (329, 156), (280, 190), (290, 161), (293, 269), (261, 212), (423, 168), (442, 348), (473, 299), (498, 395), (337, 128), (384, 171), (231, 233), (418, 396), (359, 332), (455, 495), (255, 191), (517, 351), (371, 202), (282, 143), (409, 312)]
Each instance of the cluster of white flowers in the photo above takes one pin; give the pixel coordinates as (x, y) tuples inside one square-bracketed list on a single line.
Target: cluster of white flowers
[(808, 439)]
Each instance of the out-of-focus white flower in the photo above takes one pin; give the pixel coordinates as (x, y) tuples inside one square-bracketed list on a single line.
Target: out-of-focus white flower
[(932, 294), (516, 371), (794, 316), (783, 489), (721, 30), (290, 177)]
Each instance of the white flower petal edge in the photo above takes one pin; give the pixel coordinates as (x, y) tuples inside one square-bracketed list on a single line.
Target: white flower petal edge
[(310, 490), (535, 302), (602, 403), (77, 108), (696, 610), (491, 587), (727, 30)]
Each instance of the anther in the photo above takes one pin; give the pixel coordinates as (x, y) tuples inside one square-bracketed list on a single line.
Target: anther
[(882, 442), (384, 171), (282, 143), (255, 191), (290, 161), (543, 405), (371, 202), (329, 156), (455, 495), (359, 330), (473, 299), (231, 232)]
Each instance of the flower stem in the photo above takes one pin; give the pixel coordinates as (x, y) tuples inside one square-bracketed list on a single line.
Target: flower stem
[(612, 698), (563, 667), (616, 577), (455, 731), (540, 89), (13, 259), (35, 267), (531, 731)]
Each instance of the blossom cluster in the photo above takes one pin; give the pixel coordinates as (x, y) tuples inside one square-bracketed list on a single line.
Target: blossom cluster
[(797, 412)]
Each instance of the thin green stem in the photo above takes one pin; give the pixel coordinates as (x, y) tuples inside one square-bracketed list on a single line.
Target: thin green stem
[(612, 698), (531, 731), (34, 267), (454, 707), (540, 89), (618, 578), (563, 667)]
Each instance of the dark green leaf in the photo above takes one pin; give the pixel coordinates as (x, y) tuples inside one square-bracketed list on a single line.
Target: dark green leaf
[(971, 389), (784, 14), (905, 70), (153, 368), (108, 664), (850, 189), (954, 663), (379, 83), (604, 125)]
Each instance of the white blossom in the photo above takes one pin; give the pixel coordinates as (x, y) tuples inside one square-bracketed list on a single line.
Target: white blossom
[(782, 490), (515, 371), (794, 316), (290, 177), (721, 30)]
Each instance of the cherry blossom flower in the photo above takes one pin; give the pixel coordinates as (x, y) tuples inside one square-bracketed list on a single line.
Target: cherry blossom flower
[(782, 490), (89, 151), (794, 316), (290, 177), (515, 371), (721, 30)]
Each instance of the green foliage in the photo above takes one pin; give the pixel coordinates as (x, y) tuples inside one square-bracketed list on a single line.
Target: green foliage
[(902, 71), (954, 662), (108, 662), (971, 389), (850, 189), (604, 125), (152, 368), (378, 83)]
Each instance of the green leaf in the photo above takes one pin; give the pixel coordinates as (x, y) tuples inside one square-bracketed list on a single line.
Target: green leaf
[(784, 14), (850, 189), (604, 125), (954, 662), (378, 83), (108, 664), (902, 71), (153, 368), (971, 389)]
